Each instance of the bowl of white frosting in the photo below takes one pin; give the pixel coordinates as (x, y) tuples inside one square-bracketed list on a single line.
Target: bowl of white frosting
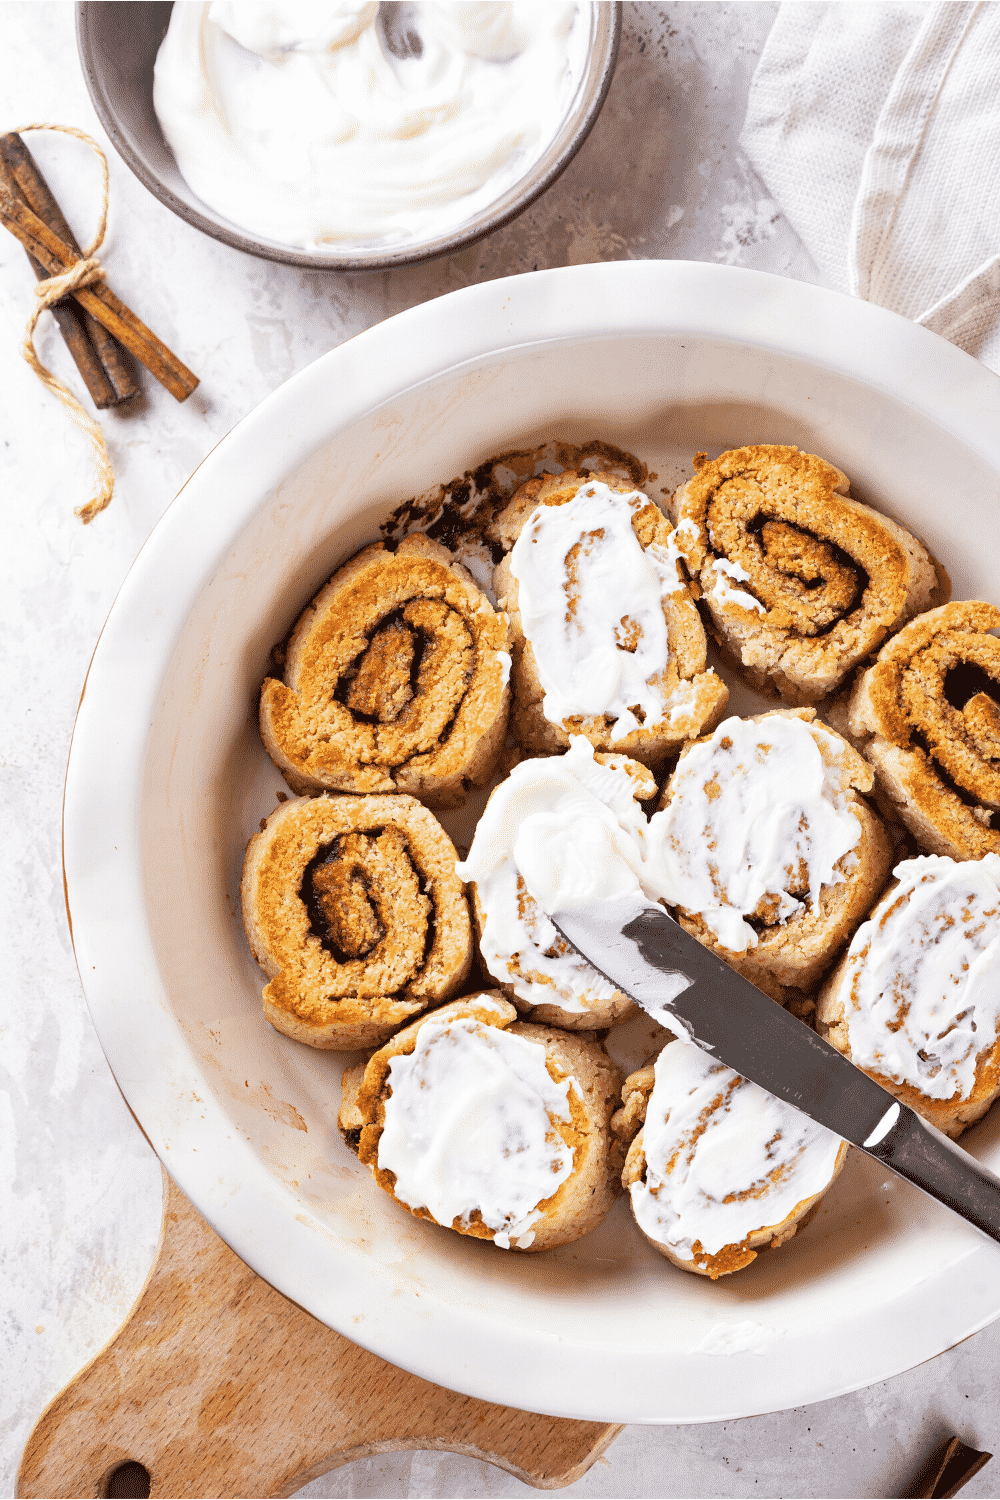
[(346, 134)]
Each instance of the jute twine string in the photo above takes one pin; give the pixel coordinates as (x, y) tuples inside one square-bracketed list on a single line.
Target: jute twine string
[(84, 273)]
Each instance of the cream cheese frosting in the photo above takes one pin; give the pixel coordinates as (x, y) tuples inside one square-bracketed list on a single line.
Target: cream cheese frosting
[(566, 829), (315, 123), (922, 997), (591, 599), (758, 817), (723, 1157), (469, 1127), (723, 591)]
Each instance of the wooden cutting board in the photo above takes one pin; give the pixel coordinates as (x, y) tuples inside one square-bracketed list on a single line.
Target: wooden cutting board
[(218, 1386)]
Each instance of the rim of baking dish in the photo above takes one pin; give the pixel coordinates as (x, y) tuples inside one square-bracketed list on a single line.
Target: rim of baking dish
[(467, 1348)]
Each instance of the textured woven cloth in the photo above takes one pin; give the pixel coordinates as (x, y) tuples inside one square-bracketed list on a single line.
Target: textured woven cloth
[(877, 129)]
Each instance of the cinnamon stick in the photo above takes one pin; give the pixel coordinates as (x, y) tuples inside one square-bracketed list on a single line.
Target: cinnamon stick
[(56, 256), (101, 360), (947, 1471), (71, 321)]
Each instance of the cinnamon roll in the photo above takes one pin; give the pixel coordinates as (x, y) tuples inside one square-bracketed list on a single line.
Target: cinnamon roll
[(496, 1130), (719, 1168), (915, 1001), (607, 640), (537, 969), (800, 581), (927, 715), (765, 845), (395, 680), (352, 908)]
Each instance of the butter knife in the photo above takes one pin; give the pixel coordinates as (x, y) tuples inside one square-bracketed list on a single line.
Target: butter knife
[(686, 987)]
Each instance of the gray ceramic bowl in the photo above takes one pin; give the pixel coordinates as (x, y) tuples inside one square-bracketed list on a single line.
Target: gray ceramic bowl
[(118, 42)]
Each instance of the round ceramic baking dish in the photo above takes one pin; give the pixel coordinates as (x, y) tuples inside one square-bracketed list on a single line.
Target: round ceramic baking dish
[(167, 780), (118, 41)]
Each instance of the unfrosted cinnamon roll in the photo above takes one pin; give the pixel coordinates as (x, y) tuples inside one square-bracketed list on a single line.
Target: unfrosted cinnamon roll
[(395, 680), (352, 908), (767, 849), (608, 642), (915, 1001), (801, 582), (928, 716), (497, 1130), (719, 1168)]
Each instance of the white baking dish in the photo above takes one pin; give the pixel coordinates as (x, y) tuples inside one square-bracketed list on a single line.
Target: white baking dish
[(167, 779)]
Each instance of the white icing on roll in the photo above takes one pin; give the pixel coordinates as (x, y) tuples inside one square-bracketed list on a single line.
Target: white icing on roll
[(724, 593), (922, 992), (758, 821), (561, 829), (723, 1157), (469, 1125), (591, 604)]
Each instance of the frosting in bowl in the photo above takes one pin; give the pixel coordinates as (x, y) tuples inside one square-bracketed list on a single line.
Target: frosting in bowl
[(314, 123)]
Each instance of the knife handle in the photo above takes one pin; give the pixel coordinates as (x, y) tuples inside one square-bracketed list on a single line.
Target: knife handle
[(915, 1150)]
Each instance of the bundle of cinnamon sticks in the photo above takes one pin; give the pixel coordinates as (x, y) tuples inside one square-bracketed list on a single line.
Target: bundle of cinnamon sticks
[(95, 324)]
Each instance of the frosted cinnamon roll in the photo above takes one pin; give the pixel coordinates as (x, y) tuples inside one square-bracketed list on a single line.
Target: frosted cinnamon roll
[(395, 680), (801, 582), (497, 1130), (352, 908), (719, 1168), (765, 845), (915, 1001), (537, 969), (928, 716), (607, 640)]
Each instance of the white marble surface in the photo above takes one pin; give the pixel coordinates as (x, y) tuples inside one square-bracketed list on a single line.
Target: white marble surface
[(661, 176)]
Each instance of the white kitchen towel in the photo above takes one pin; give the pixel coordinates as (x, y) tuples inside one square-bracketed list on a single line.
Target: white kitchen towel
[(877, 129)]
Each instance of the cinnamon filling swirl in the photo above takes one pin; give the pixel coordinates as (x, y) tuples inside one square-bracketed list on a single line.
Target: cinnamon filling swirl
[(930, 707), (354, 911), (799, 580), (396, 679)]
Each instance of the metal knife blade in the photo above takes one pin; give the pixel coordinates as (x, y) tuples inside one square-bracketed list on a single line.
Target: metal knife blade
[(686, 986)]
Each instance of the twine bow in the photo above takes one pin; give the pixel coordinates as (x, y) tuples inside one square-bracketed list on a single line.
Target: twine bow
[(84, 273)]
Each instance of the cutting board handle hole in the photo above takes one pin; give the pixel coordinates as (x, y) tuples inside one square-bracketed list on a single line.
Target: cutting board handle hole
[(127, 1480)]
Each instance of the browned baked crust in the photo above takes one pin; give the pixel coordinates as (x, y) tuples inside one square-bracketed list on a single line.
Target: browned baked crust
[(581, 1202), (937, 762), (352, 908), (395, 680), (703, 694), (833, 576)]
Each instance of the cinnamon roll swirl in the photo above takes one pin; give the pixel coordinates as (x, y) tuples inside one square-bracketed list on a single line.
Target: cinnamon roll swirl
[(395, 680), (800, 581), (915, 1001), (927, 715), (496, 1130), (607, 640), (352, 908), (719, 1169), (765, 845)]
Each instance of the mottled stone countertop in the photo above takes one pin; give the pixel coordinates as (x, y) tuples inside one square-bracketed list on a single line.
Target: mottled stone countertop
[(661, 175)]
